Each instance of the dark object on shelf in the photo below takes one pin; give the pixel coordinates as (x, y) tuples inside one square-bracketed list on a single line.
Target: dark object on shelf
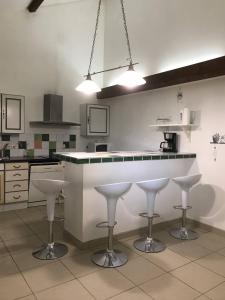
[(170, 143), (203, 70), (34, 5)]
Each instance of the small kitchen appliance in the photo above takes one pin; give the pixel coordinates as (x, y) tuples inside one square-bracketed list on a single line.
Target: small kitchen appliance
[(170, 142)]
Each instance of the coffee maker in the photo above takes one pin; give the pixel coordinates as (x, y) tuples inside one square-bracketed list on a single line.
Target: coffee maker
[(170, 142)]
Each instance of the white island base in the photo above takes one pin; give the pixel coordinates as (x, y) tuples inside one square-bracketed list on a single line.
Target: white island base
[(85, 207)]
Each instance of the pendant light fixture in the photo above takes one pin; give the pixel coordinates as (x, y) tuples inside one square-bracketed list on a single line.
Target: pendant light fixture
[(129, 79), (88, 86)]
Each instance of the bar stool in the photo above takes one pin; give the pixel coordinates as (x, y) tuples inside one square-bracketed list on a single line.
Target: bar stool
[(51, 188), (151, 188), (110, 257), (185, 183)]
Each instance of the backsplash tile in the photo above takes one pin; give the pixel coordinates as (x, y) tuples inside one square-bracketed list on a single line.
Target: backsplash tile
[(37, 144)]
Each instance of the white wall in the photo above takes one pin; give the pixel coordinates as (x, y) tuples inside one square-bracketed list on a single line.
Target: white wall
[(165, 35), (48, 52)]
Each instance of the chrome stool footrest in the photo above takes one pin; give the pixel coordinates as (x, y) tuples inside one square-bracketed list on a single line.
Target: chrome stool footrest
[(104, 224), (145, 215), (181, 208)]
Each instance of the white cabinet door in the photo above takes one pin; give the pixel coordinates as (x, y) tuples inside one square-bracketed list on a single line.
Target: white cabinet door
[(12, 113), (95, 120)]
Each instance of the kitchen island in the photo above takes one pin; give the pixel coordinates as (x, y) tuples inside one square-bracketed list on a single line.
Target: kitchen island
[(85, 207)]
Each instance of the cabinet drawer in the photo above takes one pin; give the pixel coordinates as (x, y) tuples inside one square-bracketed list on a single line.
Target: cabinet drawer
[(12, 186), (16, 197), (16, 175), (16, 166)]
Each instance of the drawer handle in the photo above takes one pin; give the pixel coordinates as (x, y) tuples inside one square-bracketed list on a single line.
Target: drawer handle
[(17, 174), (17, 197), (16, 185), (16, 167)]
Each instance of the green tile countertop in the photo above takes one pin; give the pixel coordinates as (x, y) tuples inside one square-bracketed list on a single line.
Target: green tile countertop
[(122, 156)]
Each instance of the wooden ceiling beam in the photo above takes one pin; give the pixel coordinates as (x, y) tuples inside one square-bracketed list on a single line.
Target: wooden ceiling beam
[(34, 5), (203, 70)]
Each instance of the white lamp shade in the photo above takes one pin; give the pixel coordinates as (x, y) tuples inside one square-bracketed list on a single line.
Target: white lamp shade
[(131, 79), (88, 86)]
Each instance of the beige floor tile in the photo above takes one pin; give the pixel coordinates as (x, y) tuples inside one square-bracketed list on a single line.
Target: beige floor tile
[(217, 293), (72, 249), (198, 277), (13, 287), (212, 241), (166, 238), (140, 270), (167, 287), (132, 294), (10, 220), (47, 276), (190, 249), (167, 260), (80, 265), (129, 244), (15, 232), (202, 297), (28, 243), (105, 283), (222, 252), (214, 262), (68, 291), (44, 235), (31, 297), (3, 250), (26, 261), (7, 266)]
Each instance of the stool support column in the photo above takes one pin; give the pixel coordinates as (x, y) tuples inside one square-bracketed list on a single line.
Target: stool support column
[(51, 232), (110, 238)]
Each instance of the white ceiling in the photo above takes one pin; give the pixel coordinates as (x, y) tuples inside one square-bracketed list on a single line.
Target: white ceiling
[(55, 2)]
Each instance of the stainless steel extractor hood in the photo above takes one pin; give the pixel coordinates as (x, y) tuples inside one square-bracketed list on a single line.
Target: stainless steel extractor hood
[(53, 112)]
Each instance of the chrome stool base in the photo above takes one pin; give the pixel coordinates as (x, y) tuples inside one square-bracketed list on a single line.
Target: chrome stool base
[(109, 258), (149, 245), (183, 234), (50, 251)]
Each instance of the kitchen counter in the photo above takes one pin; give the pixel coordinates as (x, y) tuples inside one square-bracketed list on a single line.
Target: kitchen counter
[(118, 156), (35, 159), (85, 207)]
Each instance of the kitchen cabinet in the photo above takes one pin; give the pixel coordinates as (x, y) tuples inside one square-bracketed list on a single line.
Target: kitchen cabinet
[(95, 120), (12, 114), (16, 182)]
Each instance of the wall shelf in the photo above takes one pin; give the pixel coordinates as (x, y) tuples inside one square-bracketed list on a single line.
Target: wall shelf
[(174, 125)]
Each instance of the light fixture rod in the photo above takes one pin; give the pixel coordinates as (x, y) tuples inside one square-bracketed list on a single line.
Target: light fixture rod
[(126, 31), (95, 34), (112, 69)]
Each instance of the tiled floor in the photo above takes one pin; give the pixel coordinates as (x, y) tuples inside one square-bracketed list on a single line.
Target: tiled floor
[(185, 270)]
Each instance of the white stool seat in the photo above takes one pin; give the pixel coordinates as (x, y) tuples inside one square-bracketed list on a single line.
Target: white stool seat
[(185, 183), (51, 188), (154, 185), (151, 188), (114, 190), (111, 258)]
